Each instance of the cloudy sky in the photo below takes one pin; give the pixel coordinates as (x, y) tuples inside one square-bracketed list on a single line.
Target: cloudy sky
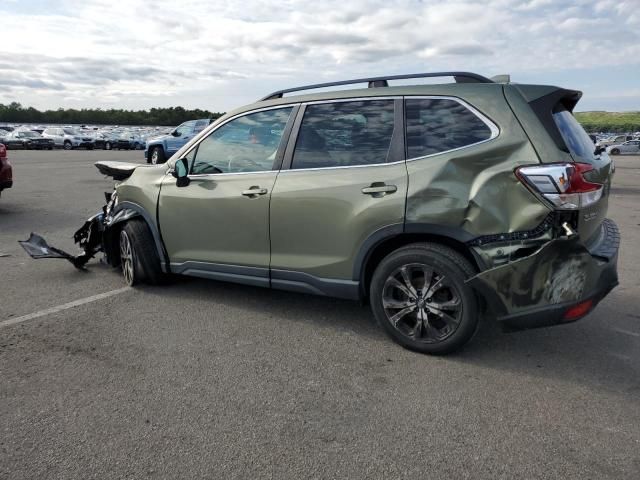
[(217, 54)]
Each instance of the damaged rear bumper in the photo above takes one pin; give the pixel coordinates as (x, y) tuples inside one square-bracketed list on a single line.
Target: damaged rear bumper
[(560, 283)]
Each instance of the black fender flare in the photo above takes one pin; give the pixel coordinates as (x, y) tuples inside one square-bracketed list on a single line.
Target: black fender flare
[(126, 210), (396, 230)]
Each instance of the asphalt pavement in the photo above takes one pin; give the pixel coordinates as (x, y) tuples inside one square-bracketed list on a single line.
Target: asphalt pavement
[(200, 379)]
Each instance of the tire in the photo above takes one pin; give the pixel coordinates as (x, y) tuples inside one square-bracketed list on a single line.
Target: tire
[(156, 156), (67, 145), (107, 146), (450, 306), (615, 151), (138, 256), (49, 148)]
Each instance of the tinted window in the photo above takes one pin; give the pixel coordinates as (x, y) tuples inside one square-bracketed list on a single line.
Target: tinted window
[(246, 144), (579, 143), (344, 133), (185, 129), (438, 125), (200, 124)]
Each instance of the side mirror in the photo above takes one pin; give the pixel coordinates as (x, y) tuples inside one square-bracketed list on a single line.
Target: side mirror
[(175, 133), (181, 172)]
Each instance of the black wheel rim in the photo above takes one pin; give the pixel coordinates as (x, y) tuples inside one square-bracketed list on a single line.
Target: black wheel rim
[(422, 303)]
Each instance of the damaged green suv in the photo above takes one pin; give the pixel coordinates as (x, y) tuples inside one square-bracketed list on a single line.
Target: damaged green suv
[(438, 204)]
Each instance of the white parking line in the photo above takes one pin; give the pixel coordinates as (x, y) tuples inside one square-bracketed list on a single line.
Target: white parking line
[(66, 306), (626, 332)]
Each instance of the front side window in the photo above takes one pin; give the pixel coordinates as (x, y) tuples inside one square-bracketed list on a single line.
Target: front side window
[(245, 144), (185, 129), (200, 125), (343, 134), (437, 125)]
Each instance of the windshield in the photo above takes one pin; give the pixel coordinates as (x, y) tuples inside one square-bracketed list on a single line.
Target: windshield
[(30, 134), (579, 143)]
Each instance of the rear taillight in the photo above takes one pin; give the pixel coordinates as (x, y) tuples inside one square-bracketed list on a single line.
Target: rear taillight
[(562, 184)]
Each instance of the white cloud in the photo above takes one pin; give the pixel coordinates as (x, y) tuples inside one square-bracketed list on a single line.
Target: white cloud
[(140, 53)]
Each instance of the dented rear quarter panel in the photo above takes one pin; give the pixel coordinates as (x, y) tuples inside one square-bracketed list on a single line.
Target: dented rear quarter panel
[(475, 188)]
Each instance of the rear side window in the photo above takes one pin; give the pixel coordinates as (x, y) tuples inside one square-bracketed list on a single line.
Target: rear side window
[(438, 125), (343, 134), (574, 136)]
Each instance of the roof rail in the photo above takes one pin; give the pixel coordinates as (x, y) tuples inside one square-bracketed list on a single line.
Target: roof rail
[(375, 82)]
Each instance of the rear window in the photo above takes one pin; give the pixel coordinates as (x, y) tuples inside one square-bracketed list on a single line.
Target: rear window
[(574, 136)]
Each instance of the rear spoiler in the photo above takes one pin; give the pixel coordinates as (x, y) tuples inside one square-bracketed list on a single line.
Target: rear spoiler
[(544, 100)]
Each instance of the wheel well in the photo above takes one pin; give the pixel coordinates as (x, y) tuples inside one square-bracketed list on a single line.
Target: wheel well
[(389, 245)]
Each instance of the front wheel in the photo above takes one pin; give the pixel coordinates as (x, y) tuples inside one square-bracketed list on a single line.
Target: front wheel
[(419, 296), (138, 255), (67, 145), (615, 151), (156, 155), (107, 146)]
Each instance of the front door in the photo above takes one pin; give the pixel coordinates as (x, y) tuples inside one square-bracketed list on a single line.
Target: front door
[(218, 225), (346, 179)]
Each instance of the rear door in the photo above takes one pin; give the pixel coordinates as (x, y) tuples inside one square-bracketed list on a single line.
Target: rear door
[(344, 178)]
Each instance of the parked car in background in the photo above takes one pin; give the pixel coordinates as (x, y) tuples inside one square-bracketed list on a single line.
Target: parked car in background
[(130, 140), (159, 149), (617, 139), (68, 138), (102, 140), (27, 140), (6, 175), (632, 147)]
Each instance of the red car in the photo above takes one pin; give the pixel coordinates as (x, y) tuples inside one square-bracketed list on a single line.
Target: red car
[(6, 179)]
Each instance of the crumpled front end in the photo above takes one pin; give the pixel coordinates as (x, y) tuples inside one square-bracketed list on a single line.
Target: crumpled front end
[(91, 238), (560, 282)]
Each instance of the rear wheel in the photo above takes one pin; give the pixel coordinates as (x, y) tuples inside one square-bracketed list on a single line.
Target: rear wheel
[(138, 255), (419, 296), (157, 155), (67, 145)]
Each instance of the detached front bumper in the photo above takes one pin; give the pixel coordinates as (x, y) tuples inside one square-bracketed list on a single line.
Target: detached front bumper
[(560, 283)]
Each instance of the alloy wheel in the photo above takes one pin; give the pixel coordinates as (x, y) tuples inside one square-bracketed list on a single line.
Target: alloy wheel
[(126, 258), (154, 156), (422, 303)]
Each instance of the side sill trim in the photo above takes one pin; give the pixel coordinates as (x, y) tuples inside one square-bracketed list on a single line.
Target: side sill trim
[(255, 276), (306, 283)]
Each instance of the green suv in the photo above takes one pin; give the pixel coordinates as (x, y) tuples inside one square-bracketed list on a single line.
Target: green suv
[(438, 204)]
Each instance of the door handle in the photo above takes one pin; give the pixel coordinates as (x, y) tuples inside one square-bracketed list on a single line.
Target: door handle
[(379, 189), (254, 191)]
